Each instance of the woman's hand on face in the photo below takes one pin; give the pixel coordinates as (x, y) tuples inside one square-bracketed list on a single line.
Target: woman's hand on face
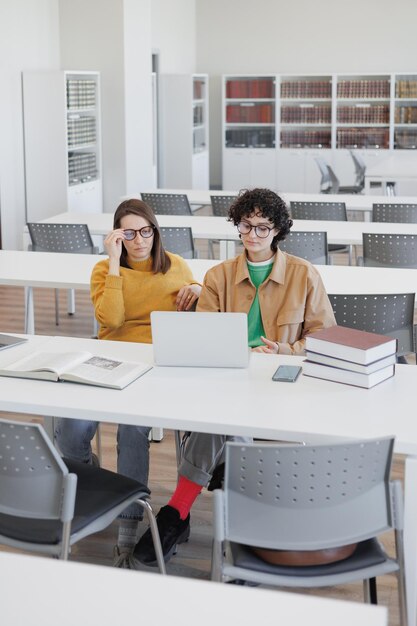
[(113, 243), (269, 347), (187, 296)]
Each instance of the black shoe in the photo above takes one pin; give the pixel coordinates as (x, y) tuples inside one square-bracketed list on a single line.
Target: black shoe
[(217, 478), (172, 530)]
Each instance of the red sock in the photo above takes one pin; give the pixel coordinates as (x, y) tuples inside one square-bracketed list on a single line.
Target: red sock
[(184, 496)]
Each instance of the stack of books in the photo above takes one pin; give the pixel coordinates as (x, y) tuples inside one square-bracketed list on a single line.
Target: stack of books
[(350, 356)]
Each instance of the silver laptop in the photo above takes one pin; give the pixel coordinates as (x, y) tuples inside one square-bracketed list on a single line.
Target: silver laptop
[(200, 339), (7, 341)]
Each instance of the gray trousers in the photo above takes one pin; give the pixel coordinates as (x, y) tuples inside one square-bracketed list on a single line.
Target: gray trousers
[(203, 452)]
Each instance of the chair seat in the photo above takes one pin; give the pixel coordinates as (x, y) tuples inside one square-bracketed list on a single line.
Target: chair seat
[(98, 491), (367, 554)]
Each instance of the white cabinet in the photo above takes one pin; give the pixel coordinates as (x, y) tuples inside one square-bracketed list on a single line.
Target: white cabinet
[(62, 143), (183, 148)]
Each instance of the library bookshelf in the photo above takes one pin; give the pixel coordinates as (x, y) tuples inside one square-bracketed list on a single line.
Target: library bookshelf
[(274, 125)]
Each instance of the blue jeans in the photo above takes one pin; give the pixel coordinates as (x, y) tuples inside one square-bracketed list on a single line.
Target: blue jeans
[(74, 441)]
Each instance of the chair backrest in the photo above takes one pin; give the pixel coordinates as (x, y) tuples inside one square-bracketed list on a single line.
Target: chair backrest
[(311, 246), (332, 211), (360, 168), (168, 203), (386, 314), (294, 497), (329, 182), (221, 205), (389, 250), (74, 238), (404, 213), (34, 481), (178, 240)]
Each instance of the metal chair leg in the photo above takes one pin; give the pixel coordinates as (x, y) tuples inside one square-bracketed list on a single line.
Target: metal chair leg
[(155, 535)]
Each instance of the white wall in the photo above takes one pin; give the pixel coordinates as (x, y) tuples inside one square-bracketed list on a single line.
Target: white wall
[(28, 40), (242, 36), (173, 35)]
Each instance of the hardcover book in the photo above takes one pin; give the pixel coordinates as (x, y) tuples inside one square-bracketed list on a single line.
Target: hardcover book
[(335, 374), (351, 344)]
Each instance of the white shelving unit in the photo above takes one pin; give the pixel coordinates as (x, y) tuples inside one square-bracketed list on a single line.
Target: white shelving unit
[(313, 115), (184, 142), (249, 130), (62, 142)]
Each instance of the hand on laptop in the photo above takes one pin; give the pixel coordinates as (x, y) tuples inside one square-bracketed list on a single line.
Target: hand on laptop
[(187, 296)]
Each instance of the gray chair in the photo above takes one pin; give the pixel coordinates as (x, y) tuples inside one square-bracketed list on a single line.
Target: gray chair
[(386, 250), (330, 182), (360, 169), (292, 497), (386, 314), (168, 203), (311, 246), (48, 503), (329, 211), (221, 205), (179, 241), (400, 213), (69, 238)]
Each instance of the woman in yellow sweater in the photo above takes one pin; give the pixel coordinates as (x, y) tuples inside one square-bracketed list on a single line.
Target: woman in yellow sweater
[(138, 277)]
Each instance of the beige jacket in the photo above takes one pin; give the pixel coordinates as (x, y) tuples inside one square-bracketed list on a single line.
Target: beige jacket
[(292, 300)]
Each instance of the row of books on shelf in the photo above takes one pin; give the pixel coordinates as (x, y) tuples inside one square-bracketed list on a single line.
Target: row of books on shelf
[(405, 139), (306, 89), (405, 115), (82, 167), (198, 89), (363, 89), (256, 114), (81, 93), (406, 89), (253, 88), (350, 356), (306, 139), (375, 114), (317, 114), (362, 138), (250, 138)]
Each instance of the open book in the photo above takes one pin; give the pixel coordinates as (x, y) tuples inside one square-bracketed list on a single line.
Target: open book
[(78, 367)]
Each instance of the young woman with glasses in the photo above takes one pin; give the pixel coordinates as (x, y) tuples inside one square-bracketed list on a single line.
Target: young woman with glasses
[(138, 277), (284, 299)]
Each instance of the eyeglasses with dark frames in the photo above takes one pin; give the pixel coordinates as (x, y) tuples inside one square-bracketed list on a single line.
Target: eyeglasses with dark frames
[(145, 232), (261, 230)]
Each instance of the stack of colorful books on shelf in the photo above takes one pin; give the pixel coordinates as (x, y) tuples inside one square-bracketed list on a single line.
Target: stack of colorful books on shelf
[(350, 356)]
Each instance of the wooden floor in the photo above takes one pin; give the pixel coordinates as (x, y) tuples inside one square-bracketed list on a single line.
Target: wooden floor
[(193, 558)]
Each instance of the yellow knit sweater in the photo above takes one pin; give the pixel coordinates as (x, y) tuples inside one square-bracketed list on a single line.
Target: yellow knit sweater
[(123, 304)]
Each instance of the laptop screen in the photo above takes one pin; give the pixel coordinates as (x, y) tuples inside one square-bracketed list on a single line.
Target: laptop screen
[(200, 339)]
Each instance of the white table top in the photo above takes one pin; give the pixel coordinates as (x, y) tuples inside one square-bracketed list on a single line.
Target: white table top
[(56, 270), (25, 601), (210, 227), (229, 401)]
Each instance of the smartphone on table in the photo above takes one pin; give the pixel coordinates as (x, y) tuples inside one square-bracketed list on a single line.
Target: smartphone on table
[(287, 373)]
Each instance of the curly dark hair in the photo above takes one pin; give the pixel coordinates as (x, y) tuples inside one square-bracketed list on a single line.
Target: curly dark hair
[(266, 203)]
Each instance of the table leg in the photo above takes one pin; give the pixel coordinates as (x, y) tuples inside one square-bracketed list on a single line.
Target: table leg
[(29, 312), (410, 536)]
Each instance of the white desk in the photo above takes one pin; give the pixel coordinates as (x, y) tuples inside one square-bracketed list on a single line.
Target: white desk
[(73, 271), (393, 169), (59, 271), (209, 227), (24, 601), (236, 402)]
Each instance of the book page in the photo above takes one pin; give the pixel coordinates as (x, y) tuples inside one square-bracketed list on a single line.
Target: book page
[(48, 361), (106, 372)]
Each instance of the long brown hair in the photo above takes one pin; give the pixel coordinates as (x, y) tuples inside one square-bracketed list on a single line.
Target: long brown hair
[(160, 260)]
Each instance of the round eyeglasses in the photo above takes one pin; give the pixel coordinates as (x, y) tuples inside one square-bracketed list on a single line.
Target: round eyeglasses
[(145, 232), (261, 230)]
